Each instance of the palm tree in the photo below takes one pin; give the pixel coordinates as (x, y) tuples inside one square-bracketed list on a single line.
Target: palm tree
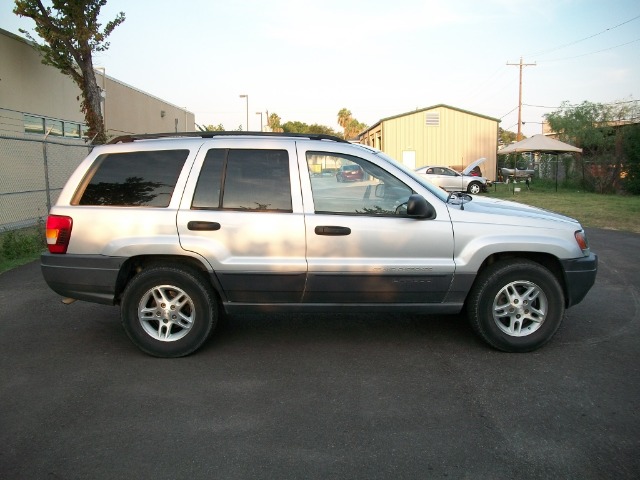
[(353, 128), (344, 116), (273, 121)]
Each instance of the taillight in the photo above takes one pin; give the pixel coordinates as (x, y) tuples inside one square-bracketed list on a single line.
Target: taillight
[(58, 233), (581, 238)]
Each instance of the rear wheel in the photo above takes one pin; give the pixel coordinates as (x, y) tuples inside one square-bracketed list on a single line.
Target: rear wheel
[(168, 311), (516, 305)]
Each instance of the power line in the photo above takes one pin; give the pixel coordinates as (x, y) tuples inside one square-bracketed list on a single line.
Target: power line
[(512, 110), (590, 53), (480, 86), (544, 52), (575, 105)]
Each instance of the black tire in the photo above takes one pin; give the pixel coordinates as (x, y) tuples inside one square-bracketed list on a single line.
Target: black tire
[(168, 311), (474, 188), (516, 305)]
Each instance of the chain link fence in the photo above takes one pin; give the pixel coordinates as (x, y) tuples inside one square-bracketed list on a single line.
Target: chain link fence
[(32, 174)]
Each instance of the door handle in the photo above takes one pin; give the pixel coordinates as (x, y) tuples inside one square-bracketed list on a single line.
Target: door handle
[(202, 226), (332, 230)]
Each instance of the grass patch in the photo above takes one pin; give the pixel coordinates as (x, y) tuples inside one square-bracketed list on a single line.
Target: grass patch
[(613, 212), (18, 247)]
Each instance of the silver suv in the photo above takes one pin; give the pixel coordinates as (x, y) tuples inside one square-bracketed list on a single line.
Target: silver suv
[(179, 229)]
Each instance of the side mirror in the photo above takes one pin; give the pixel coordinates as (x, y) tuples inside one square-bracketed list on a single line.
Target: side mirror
[(380, 190), (418, 207)]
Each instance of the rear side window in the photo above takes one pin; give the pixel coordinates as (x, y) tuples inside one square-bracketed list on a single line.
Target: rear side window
[(243, 179), (133, 179)]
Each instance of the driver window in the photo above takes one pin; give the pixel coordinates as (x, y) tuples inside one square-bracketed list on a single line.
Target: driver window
[(344, 184)]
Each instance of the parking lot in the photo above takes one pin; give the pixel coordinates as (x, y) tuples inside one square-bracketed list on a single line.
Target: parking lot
[(322, 396)]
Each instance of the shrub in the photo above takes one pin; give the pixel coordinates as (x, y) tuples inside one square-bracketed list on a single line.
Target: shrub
[(632, 151), (17, 244)]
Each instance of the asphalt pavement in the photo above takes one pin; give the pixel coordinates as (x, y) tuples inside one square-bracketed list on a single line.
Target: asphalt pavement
[(322, 396)]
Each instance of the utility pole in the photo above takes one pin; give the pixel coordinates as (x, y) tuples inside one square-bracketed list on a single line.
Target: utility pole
[(519, 137)]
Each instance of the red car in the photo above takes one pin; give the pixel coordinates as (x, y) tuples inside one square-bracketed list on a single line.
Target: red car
[(350, 173)]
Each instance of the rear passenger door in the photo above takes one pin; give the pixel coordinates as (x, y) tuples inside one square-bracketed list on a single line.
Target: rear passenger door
[(242, 215)]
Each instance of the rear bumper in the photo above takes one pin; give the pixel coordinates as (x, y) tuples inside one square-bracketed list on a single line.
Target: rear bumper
[(84, 277), (580, 275)]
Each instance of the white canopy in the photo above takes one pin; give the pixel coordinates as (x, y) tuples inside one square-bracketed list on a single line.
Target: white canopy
[(539, 143)]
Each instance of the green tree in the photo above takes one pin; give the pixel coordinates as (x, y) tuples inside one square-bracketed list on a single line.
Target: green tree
[(631, 180), (211, 128), (351, 126), (301, 127), (273, 122), (598, 129), (344, 115), (321, 129), (72, 34), (506, 137), (295, 127), (588, 125)]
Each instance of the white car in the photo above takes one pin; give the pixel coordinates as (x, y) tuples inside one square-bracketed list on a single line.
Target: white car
[(452, 181)]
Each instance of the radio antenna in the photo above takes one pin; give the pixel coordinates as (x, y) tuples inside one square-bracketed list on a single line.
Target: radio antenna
[(462, 186)]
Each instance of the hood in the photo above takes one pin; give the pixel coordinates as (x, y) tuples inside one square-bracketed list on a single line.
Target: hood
[(524, 213), (473, 165)]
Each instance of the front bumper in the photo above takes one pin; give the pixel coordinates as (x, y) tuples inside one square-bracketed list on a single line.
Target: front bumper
[(579, 276)]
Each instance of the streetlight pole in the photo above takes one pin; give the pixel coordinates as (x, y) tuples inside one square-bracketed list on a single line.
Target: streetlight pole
[(260, 113), (246, 97)]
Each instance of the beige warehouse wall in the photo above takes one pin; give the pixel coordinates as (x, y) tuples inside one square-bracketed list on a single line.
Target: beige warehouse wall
[(28, 86), (128, 110)]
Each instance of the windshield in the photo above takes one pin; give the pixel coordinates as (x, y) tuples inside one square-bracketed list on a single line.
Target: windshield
[(437, 191)]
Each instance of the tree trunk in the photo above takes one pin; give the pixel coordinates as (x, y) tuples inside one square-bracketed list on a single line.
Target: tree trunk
[(91, 104)]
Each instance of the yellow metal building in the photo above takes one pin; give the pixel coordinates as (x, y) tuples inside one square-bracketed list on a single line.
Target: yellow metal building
[(437, 135)]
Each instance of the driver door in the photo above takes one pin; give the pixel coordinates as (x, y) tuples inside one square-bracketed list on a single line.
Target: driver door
[(362, 247)]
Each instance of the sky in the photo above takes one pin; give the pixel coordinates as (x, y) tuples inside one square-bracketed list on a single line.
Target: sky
[(306, 60)]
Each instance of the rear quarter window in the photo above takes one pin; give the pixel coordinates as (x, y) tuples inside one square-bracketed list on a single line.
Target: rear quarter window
[(133, 179)]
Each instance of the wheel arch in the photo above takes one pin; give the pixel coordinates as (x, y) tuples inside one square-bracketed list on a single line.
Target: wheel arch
[(134, 265), (550, 262)]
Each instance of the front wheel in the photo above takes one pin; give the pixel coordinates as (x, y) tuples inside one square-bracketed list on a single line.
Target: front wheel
[(474, 188), (168, 311), (516, 305)]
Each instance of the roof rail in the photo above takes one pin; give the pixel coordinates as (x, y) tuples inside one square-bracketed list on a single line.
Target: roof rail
[(151, 136)]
